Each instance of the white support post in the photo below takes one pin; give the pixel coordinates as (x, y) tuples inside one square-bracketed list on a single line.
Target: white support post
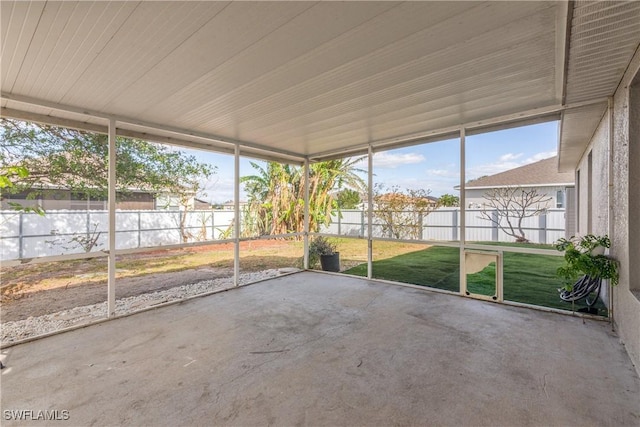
[(306, 214), (111, 265), (463, 213), (500, 276), (236, 225), (370, 214)]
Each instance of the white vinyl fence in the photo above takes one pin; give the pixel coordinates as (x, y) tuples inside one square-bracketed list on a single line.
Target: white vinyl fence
[(28, 235), (443, 224)]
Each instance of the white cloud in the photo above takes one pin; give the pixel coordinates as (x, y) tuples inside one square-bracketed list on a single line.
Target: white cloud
[(510, 157), (445, 173), (387, 160)]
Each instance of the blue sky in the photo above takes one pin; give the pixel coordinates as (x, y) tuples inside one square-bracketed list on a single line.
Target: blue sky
[(436, 166), (433, 166)]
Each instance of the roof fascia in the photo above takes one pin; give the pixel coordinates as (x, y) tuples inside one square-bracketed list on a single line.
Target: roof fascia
[(485, 187), (523, 118)]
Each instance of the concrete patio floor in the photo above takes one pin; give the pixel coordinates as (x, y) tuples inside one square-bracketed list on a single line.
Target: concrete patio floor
[(317, 349)]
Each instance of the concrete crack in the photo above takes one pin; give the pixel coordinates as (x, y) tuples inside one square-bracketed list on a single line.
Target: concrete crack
[(371, 302), (544, 385)]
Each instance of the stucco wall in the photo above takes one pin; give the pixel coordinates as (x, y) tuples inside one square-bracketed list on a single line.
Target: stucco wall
[(599, 209), (626, 298)]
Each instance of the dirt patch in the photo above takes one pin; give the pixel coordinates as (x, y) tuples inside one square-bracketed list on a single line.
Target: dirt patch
[(41, 302), (38, 289)]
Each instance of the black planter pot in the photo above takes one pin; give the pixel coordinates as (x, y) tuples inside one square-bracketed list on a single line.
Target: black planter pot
[(330, 262)]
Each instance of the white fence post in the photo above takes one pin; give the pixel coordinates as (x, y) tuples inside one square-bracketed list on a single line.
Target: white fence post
[(542, 226), (88, 222), (20, 237), (139, 229), (213, 225), (454, 223), (495, 229)]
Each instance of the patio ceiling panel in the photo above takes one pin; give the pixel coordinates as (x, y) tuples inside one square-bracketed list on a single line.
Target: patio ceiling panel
[(289, 54), (297, 77), (236, 28), (381, 68), (57, 45), (433, 110), (431, 119), (128, 58), (604, 37)]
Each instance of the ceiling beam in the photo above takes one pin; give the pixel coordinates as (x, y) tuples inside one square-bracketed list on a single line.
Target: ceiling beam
[(521, 118), (563, 43), (128, 133), (52, 120), (183, 137), (123, 121)]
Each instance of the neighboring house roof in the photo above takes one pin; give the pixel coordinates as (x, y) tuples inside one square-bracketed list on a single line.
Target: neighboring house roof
[(543, 173)]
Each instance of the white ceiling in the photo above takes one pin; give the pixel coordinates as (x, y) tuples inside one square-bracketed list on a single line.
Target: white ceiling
[(303, 79)]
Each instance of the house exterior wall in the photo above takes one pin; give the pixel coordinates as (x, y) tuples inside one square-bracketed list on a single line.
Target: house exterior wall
[(136, 201), (63, 200), (624, 229), (594, 216), (475, 197)]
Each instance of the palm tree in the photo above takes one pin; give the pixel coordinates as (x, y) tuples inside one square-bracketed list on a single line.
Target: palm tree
[(268, 194), (276, 195)]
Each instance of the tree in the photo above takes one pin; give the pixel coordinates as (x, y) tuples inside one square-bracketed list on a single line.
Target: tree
[(270, 197), (78, 161), (348, 199), (276, 195), (449, 201), (401, 213), (507, 208), (8, 177)]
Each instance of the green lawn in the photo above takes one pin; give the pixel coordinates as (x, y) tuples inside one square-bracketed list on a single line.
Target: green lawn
[(528, 278), (437, 267)]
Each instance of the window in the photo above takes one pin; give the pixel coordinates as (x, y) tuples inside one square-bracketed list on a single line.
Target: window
[(560, 199), (82, 202)]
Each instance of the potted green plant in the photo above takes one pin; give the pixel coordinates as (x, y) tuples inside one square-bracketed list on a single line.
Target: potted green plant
[(585, 256), (322, 249)]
